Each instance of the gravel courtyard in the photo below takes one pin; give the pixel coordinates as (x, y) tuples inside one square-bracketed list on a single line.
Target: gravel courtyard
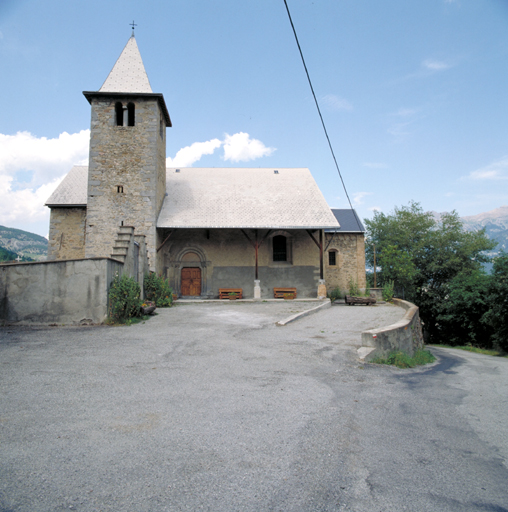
[(203, 407)]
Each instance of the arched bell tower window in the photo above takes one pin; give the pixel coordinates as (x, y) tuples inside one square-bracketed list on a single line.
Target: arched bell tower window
[(280, 252), (119, 113), (130, 110)]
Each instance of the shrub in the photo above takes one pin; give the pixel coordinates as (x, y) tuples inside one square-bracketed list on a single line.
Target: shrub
[(157, 290), (124, 301), (388, 291), (354, 291), (334, 294)]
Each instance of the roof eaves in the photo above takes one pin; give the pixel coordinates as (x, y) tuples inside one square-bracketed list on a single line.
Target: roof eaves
[(62, 205)]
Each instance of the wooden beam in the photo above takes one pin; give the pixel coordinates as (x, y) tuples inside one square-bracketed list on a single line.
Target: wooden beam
[(165, 240), (248, 238), (312, 236)]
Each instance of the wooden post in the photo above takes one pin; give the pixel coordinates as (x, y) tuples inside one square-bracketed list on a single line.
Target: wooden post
[(375, 281), (321, 274), (256, 247)]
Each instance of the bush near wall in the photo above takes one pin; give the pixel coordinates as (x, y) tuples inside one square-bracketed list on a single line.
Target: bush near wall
[(124, 298), (157, 290)]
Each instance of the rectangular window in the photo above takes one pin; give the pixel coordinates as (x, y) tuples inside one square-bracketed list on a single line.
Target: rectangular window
[(332, 259), (279, 248)]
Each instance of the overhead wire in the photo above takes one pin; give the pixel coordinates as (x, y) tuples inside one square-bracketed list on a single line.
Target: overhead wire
[(321, 117)]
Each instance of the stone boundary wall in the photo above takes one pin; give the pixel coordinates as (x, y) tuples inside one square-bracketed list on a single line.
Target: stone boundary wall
[(404, 335), (67, 292)]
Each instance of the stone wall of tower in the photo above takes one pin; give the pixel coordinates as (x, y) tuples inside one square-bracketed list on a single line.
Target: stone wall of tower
[(127, 174)]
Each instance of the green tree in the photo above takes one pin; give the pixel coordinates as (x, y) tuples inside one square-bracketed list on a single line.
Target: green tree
[(497, 315), (398, 267), (424, 255), (461, 318)]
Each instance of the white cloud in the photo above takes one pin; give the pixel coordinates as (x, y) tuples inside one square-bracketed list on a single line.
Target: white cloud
[(190, 154), (495, 171), (237, 148), (45, 158), (359, 196), (375, 165), (241, 148), (26, 205), (375, 209), (31, 168), (434, 65), (336, 103)]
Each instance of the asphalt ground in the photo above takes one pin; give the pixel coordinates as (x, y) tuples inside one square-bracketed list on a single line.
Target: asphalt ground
[(213, 407)]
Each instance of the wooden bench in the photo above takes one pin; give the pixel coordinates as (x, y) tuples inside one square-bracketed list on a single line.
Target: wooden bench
[(278, 293), (350, 300), (224, 293)]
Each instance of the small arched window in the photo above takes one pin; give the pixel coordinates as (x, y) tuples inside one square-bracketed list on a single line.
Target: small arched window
[(130, 110), (119, 113), (280, 252), (119, 189)]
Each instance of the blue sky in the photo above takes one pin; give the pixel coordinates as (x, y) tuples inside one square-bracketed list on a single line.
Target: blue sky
[(413, 94)]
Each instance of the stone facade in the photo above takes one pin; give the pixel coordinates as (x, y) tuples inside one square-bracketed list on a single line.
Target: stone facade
[(226, 259), (127, 173), (349, 249), (67, 234)]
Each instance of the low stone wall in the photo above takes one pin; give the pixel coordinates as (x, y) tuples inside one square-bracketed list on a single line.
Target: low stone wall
[(62, 292), (404, 335)]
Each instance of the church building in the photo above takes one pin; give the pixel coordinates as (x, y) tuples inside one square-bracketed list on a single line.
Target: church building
[(205, 229)]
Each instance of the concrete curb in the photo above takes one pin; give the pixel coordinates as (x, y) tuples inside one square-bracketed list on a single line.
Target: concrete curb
[(239, 301), (292, 318)]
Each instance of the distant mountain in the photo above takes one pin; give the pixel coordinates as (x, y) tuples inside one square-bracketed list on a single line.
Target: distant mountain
[(495, 223), (26, 245)]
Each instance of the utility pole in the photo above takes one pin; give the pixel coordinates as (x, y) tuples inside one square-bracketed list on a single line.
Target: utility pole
[(375, 281)]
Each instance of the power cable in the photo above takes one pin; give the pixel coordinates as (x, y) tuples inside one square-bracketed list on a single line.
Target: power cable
[(321, 117)]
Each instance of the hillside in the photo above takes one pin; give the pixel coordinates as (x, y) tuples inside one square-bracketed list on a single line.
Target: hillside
[(495, 223), (23, 243)]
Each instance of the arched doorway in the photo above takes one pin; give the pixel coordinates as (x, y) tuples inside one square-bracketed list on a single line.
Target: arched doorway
[(190, 276), (191, 282)]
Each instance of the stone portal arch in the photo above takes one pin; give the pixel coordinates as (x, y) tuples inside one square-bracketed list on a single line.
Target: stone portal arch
[(191, 258)]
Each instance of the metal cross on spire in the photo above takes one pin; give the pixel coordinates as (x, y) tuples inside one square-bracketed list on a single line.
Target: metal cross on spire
[(133, 25)]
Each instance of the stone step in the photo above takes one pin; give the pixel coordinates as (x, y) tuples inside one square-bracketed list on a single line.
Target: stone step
[(126, 229), (122, 243)]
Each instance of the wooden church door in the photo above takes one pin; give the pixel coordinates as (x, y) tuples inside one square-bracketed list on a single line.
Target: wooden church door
[(191, 281)]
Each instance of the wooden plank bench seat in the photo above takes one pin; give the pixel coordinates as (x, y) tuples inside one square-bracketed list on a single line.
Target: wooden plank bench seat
[(224, 293), (350, 300), (278, 293)]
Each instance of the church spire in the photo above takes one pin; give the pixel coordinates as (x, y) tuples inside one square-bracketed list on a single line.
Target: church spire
[(128, 74)]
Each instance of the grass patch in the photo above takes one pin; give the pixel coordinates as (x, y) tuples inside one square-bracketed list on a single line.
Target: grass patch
[(477, 350), (402, 360)]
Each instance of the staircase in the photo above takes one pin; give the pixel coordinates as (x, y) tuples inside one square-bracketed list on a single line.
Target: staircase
[(122, 242)]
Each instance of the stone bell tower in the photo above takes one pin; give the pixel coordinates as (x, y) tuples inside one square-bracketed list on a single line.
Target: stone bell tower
[(127, 160)]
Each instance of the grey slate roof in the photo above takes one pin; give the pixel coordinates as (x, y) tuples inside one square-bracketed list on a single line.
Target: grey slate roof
[(348, 220), (244, 198), (72, 191), (225, 198), (128, 74)]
